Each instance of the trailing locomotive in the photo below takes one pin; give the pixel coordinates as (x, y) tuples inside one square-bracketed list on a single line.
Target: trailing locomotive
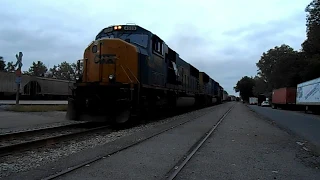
[(127, 70)]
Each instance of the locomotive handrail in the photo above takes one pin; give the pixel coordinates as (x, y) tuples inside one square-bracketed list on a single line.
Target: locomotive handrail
[(126, 73), (133, 75)]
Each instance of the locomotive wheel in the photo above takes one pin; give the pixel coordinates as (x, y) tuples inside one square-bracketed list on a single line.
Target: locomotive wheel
[(119, 118), (123, 117)]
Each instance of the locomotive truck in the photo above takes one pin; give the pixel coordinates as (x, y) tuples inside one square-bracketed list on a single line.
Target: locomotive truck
[(127, 70)]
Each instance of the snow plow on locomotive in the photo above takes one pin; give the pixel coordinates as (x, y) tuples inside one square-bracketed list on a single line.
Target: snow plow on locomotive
[(128, 69)]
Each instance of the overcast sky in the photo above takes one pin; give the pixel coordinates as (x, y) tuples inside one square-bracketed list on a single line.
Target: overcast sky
[(223, 38)]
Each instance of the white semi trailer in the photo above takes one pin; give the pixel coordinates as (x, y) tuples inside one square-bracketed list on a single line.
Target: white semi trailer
[(253, 100), (308, 95)]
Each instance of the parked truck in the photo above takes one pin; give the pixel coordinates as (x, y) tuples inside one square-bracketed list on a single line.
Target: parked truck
[(253, 100), (261, 98), (284, 97), (308, 95)]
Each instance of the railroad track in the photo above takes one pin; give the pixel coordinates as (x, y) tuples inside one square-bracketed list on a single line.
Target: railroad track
[(174, 171), (19, 141), (11, 143)]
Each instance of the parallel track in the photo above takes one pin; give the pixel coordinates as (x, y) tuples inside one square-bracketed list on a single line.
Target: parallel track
[(25, 144), (183, 161), (24, 133)]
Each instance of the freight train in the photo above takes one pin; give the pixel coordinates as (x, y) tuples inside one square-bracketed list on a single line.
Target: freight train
[(128, 70), (33, 87)]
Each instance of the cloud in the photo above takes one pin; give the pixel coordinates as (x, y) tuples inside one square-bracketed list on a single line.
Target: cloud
[(223, 38)]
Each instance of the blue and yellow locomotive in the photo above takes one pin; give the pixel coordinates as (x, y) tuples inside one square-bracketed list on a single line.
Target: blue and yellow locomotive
[(128, 69)]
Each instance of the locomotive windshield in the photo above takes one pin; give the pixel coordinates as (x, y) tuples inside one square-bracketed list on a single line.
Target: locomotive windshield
[(134, 38)]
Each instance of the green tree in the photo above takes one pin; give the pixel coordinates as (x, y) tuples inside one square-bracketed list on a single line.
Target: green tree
[(52, 73), (37, 69), (245, 87), (10, 67), (64, 71), (312, 44), (312, 69), (2, 64), (260, 86), (281, 67)]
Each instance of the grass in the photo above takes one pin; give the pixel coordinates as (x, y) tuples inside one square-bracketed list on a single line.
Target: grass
[(37, 108)]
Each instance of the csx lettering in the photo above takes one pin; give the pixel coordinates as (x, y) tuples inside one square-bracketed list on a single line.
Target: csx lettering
[(130, 28), (105, 59)]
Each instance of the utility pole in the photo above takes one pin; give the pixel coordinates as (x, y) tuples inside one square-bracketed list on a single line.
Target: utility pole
[(18, 75)]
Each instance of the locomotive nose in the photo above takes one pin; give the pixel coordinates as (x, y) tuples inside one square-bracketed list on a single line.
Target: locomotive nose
[(111, 61)]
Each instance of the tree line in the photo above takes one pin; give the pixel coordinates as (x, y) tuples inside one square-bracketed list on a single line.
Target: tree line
[(282, 66), (64, 70)]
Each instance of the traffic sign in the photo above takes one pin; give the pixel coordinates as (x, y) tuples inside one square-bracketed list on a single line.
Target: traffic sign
[(18, 80), (18, 74), (19, 60)]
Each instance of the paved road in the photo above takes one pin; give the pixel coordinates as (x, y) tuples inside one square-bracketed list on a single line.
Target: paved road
[(305, 125), (27, 102)]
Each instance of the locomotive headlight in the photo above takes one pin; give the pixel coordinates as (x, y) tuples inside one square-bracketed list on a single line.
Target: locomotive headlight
[(117, 27), (111, 76)]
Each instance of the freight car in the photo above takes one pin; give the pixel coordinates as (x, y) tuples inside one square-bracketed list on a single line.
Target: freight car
[(284, 98), (34, 87), (216, 92), (49, 88), (225, 96), (128, 70), (8, 87)]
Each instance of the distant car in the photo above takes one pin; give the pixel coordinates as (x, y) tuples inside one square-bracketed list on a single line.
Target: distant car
[(265, 103)]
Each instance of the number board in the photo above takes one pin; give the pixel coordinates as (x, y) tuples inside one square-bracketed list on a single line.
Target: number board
[(109, 29), (130, 28)]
